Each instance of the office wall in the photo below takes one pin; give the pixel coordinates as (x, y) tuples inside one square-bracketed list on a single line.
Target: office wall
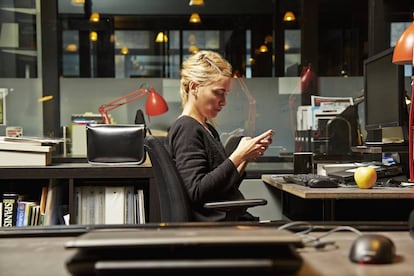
[(22, 105), (276, 101)]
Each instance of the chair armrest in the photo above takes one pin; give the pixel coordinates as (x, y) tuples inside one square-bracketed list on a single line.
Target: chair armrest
[(235, 204)]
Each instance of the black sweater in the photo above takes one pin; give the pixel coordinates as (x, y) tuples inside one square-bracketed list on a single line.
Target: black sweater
[(202, 162)]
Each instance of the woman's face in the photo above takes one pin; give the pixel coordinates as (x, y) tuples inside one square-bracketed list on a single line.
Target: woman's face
[(211, 98)]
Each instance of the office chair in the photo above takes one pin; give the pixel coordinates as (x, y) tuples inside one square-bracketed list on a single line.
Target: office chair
[(231, 143), (174, 201), (140, 119)]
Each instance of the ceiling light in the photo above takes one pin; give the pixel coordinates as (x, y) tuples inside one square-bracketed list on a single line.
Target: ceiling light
[(93, 36), (161, 38), (195, 18), (78, 2), (289, 16), (193, 49), (94, 17), (263, 49), (196, 3), (71, 47), (124, 50)]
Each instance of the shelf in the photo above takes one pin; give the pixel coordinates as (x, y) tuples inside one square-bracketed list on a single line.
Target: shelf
[(68, 176)]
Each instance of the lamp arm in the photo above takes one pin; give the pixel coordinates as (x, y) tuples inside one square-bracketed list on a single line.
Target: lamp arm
[(130, 97), (251, 119)]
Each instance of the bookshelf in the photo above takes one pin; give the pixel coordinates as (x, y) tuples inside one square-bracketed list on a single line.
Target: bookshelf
[(68, 176)]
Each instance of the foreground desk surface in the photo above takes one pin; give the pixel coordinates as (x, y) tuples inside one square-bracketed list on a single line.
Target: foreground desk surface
[(47, 256)]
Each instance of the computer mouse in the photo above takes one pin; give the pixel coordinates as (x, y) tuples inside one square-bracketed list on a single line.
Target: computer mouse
[(372, 249), (322, 183)]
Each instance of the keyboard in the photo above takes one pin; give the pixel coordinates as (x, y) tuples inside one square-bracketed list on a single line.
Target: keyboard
[(312, 180)]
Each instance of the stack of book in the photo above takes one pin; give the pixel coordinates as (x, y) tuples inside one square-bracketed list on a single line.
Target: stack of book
[(18, 211), (25, 152)]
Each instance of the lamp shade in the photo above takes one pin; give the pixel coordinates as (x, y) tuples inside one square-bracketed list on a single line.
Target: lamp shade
[(404, 54), (403, 51), (155, 104)]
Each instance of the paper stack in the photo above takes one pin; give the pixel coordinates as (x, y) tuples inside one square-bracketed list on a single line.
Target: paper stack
[(24, 152)]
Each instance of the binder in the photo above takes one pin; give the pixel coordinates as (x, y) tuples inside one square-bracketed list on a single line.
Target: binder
[(114, 205)]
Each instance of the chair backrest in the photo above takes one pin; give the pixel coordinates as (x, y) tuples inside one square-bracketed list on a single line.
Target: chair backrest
[(231, 143), (174, 201)]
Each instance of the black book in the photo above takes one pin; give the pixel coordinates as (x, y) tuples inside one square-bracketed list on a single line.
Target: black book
[(9, 209)]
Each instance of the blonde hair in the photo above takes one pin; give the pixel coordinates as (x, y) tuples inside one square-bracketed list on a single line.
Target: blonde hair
[(203, 68)]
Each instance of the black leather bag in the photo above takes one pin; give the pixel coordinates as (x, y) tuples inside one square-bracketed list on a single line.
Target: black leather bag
[(115, 144)]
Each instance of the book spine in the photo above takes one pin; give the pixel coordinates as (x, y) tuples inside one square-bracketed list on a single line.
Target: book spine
[(129, 205), (99, 205), (21, 206), (34, 218), (78, 205), (9, 209), (28, 213)]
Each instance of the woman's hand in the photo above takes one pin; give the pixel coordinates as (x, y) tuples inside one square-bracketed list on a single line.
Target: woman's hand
[(251, 148)]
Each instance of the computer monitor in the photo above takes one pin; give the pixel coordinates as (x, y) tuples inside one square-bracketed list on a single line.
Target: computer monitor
[(384, 93), (338, 135)]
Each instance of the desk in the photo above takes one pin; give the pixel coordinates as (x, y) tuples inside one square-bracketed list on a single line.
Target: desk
[(329, 196), (47, 256)]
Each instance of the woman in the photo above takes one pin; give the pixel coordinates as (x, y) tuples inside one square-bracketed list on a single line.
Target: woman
[(208, 174)]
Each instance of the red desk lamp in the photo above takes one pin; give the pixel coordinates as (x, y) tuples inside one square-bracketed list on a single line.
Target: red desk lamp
[(154, 105), (404, 54)]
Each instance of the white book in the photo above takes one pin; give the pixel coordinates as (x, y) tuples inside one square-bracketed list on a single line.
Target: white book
[(17, 146), (114, 205), (32, 140), (141, 207), (25, 158)]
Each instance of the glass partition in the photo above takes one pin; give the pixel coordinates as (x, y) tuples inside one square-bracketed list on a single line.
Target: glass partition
[(18, 39)]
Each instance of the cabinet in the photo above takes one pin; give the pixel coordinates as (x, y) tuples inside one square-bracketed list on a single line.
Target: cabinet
[(67, 176)]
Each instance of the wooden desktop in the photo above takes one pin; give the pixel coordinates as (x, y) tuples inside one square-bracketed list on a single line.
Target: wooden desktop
[(331, 196), (47, 256)]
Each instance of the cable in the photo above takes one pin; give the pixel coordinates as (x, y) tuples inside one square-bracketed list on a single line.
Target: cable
[(296, 223), (315, 241), (318, 244)]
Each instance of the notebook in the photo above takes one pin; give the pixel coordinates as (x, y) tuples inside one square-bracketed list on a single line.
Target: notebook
[(185, 250)]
